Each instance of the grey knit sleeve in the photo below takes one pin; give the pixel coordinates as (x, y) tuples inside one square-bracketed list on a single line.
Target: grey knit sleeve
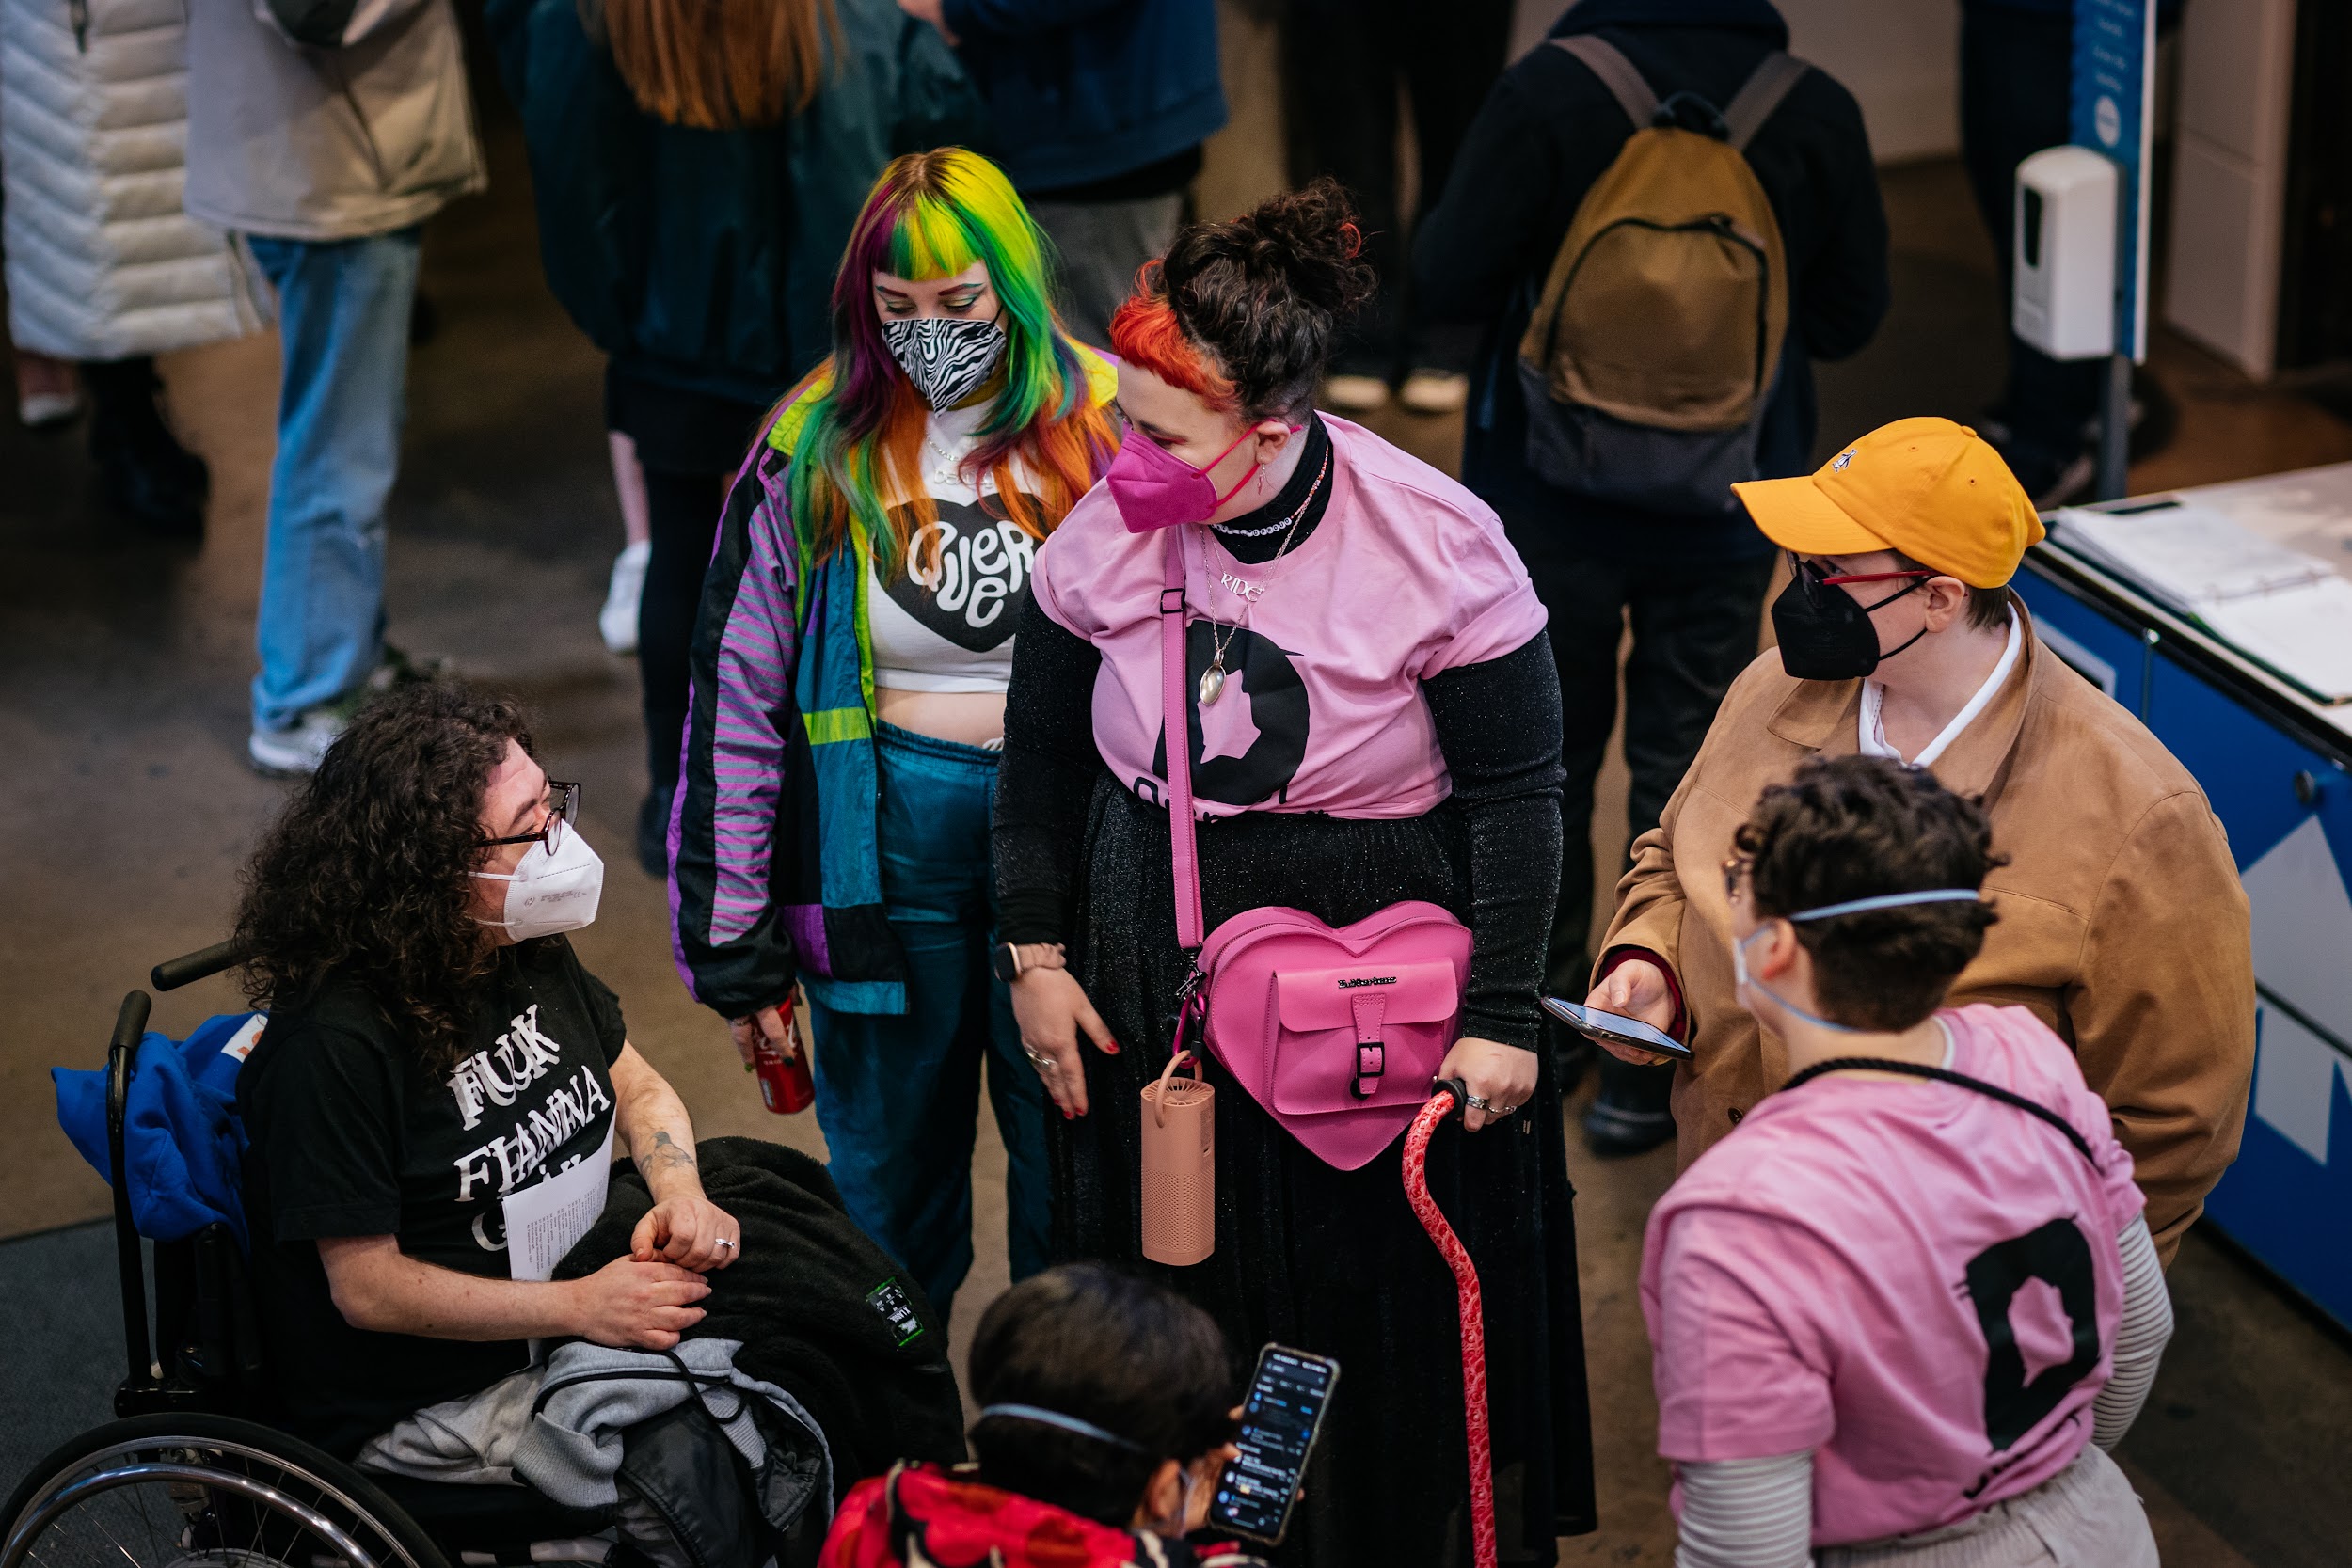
[(2139, 1338), (1746, 1512)]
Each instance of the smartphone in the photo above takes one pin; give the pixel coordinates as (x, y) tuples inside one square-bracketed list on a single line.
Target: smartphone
[(1615, 1026), (1279, 1419)]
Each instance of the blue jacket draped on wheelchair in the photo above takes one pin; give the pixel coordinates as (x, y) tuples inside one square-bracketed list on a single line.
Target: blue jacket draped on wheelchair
[(183, 1146)]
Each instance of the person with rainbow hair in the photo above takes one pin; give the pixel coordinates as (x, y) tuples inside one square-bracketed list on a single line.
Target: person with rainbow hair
[(832, 823)]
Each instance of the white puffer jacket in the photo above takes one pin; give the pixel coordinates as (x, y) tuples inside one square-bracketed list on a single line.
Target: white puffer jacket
[(102, 263)]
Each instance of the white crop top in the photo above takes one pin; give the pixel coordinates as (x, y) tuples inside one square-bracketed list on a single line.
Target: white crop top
[(947, 622)]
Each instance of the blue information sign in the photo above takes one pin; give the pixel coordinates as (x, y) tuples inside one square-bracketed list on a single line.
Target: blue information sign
[(2114, 106)]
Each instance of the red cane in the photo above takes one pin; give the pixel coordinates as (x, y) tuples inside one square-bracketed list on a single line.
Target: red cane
[(1450, 1096)]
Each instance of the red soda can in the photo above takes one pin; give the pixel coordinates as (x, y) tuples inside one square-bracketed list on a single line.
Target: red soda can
[(784, 1085)]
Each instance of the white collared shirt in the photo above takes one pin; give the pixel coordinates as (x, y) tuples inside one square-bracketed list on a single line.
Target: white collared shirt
[(1873, 738)]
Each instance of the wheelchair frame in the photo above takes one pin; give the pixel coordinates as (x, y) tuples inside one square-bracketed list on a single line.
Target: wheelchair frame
[(171, 1428)]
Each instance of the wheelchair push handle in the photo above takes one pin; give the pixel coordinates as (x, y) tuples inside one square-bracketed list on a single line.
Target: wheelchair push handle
[(191, 966)]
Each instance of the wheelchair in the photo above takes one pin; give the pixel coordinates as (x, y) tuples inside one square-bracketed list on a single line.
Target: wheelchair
[(186, 1477)]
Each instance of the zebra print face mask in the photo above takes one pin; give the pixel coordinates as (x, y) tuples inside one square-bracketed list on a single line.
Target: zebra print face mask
[(947, 357)]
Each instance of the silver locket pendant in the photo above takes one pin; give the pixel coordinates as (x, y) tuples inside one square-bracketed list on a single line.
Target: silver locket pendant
[(1212, 683)]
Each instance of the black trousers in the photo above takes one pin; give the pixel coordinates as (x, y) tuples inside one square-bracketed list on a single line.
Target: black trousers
[(1343, 63), (2015, 75), (683, 509), (690, 444), (1694, 628)]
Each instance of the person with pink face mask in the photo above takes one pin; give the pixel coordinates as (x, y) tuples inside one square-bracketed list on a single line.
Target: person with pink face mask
[(1373, 719)]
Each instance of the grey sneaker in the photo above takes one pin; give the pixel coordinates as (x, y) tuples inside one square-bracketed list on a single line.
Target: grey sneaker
[(617, 622), (294, 753)]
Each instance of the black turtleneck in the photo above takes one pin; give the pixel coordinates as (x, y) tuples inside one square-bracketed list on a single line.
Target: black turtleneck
[(1310, 485)]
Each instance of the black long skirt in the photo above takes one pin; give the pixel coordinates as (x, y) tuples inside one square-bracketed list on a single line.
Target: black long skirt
[(1333, 1261)]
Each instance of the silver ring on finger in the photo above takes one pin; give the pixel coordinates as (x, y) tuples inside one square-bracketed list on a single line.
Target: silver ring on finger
[(725, 1242), (1504, 1110), (1478, 1102)]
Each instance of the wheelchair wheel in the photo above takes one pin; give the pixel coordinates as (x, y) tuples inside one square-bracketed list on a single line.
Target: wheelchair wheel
[(192, 1491)]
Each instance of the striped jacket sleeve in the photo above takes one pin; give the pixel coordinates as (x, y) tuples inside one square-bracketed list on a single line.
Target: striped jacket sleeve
[(736, 851)]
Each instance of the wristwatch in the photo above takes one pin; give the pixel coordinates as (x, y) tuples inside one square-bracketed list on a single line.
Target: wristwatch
[(1004, 959)]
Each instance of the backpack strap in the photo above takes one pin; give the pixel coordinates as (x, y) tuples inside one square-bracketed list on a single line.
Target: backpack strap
[(1945, 1075), (1621, 76), (1771, 81)]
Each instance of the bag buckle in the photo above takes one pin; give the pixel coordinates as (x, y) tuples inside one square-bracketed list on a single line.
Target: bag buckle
[(1171, 601), (1371, 1054)]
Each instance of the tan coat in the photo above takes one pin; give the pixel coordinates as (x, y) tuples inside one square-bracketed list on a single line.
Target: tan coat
[(2121, 924)]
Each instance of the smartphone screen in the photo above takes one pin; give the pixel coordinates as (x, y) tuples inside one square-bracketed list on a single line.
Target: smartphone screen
[(1278, 1422), (1615, 1026)]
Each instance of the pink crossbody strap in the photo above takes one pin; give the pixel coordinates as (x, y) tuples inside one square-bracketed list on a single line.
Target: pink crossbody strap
[(1176, 734)]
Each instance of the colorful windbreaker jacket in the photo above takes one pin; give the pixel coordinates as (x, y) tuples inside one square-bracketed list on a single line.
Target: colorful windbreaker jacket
[(775, 872)]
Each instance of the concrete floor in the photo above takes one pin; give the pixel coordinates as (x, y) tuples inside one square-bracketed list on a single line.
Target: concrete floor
[(125, 804)]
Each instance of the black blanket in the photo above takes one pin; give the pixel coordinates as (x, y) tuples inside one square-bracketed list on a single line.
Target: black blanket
[(822, 1312)]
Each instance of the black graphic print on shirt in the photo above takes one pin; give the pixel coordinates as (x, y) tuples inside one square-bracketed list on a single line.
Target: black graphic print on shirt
[(1247, 745), (966, 577)]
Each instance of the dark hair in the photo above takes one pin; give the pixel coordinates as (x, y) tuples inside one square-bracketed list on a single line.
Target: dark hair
[(1988, 607), (1854, 827), (1262, 295), (364, 873), (1125, 1355)]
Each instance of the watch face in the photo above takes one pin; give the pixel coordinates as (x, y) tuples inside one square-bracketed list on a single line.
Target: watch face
[(1002, 959)]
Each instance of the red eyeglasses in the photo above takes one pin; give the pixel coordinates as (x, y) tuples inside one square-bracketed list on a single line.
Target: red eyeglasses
[(1813, 579)]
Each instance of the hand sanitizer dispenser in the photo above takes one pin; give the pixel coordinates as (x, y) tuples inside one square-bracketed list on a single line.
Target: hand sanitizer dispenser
[(2065, 253)]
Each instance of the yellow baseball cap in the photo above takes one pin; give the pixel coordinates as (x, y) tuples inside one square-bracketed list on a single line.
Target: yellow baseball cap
[(1928, 487)]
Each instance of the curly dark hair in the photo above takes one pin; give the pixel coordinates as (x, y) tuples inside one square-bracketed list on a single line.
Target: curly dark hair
[(364, 873), (1854, 827), (1265, 293)]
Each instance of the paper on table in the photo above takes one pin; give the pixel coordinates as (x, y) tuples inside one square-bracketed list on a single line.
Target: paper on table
[(545, 1220), (2190, 555), (2304, 633)]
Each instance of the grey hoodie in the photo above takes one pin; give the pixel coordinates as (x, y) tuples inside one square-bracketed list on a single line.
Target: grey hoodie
[(367, 135)]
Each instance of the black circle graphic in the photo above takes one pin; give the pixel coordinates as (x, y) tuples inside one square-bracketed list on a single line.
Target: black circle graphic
[(1258, 673)]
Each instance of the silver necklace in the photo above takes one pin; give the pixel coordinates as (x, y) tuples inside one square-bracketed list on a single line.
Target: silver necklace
[(1213, 678)]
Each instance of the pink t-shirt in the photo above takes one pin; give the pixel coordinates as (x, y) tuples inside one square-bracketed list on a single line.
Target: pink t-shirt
[(1405, 575), (1917, 1282)]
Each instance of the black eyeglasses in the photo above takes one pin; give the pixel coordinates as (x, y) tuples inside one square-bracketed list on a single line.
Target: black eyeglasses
[(562, 807)]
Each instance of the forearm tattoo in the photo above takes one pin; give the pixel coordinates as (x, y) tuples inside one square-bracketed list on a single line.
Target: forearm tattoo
[(668, 1154)]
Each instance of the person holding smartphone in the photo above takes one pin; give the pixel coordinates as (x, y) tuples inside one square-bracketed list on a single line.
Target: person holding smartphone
[(1105, 1416), (1899, 638), (1903, 1313)]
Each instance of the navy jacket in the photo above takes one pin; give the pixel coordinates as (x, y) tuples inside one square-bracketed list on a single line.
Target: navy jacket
[(705, 258), (1545, 133), (1086, 90)]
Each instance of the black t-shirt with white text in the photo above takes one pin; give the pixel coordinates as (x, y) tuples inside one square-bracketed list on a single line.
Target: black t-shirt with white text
[(352, 1136)]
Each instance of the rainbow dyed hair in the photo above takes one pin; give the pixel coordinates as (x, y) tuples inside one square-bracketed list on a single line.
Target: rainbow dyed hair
[(860, 421)]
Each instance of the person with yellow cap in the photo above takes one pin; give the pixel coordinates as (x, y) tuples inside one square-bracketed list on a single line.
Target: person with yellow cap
[(2121, 924)]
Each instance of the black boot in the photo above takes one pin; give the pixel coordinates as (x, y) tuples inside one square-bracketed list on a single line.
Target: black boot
[(148, 479), (1633, 1114)]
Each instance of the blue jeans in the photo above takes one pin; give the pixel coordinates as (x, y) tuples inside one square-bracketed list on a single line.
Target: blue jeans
[(342, 321), (898, 1094)]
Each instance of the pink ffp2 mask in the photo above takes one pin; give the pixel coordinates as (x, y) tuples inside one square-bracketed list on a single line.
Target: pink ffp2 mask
[(1156, 489)]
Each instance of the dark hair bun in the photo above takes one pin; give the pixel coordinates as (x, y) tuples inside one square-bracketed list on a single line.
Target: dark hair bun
[(1265, 293)]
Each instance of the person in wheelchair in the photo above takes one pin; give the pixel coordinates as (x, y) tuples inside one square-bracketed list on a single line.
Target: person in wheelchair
[(1106, 1415), (434, 1105)]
